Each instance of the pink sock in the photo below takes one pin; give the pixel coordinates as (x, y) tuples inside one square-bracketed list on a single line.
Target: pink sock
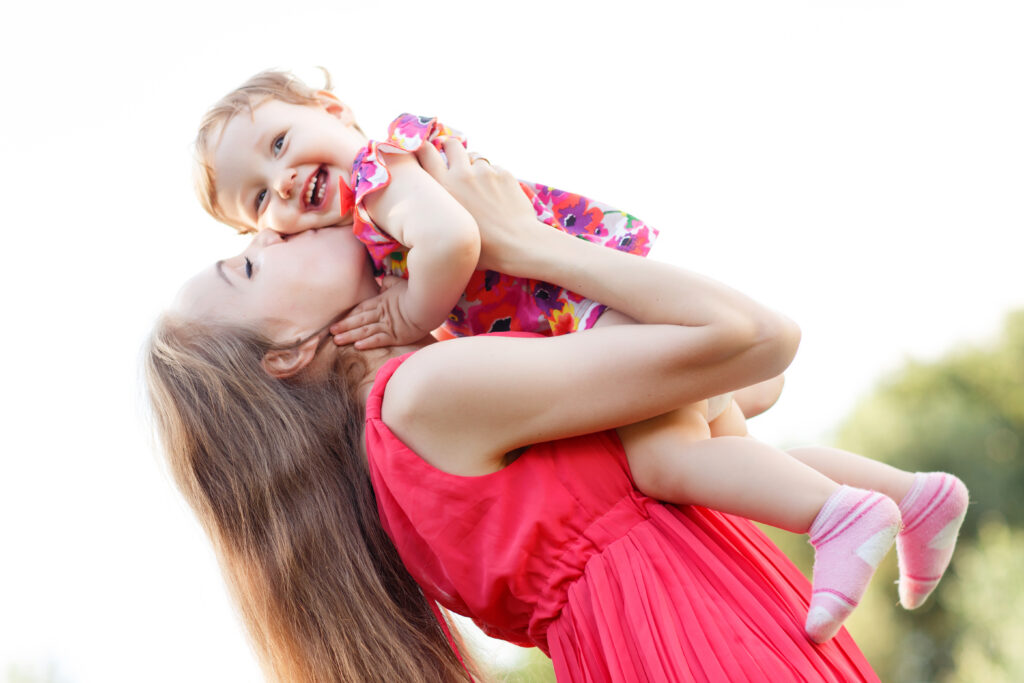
[(933, 511), (851, 535)]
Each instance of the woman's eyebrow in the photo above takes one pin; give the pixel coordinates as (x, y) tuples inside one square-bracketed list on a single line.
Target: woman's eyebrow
[(224, 276)]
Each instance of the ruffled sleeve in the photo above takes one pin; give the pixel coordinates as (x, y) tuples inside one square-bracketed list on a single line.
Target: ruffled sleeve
[(370, 173)]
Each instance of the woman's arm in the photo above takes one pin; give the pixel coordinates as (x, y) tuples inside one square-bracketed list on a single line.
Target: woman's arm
[(443, 244), (463, 404)]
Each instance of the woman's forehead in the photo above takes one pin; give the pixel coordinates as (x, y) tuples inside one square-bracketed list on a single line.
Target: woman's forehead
[(207, 294)]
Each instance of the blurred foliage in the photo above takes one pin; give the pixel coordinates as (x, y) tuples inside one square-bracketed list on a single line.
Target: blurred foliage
[(963, 413), (533, 667), (41, 672), (988, 598)]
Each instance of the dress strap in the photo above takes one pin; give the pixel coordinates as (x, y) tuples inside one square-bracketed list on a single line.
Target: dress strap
[(451, 640)]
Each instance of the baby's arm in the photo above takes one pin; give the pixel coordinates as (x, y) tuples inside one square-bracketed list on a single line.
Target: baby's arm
[(444, 246)]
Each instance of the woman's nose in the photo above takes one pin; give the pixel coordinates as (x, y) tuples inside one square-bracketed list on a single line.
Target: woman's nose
[(285, 183)]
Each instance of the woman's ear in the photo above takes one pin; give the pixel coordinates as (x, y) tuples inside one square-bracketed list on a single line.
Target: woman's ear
[(285, 363), (335, 107)]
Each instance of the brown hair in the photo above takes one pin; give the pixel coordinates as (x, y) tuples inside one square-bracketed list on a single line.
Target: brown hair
[(270, 84), (277, 476)]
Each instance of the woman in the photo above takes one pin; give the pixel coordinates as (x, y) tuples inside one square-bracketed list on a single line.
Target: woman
[(262, 420)]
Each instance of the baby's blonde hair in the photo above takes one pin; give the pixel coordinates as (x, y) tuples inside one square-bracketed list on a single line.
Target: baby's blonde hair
[(266, 85)]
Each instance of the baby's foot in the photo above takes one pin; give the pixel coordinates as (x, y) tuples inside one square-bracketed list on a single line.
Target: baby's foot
[(851, 535), (932, 514)]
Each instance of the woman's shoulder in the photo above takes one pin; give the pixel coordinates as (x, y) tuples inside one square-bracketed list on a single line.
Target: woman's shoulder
[(445, 402)]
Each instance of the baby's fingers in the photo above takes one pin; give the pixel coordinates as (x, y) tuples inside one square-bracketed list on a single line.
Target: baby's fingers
[(358, 335), (356, 326), (375, 341), (359, 316)]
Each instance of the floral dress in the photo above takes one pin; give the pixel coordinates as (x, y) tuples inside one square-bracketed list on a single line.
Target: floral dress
[(495, 302)]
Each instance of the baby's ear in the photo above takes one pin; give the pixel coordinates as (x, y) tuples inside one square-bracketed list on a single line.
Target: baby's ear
[(285, 363), (335, 107)]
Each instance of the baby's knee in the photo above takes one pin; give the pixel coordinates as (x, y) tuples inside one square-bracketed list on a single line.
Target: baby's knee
[(730, 422), (756, 399), (656, 449)]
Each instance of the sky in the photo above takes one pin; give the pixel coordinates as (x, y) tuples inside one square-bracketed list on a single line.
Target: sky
[(857, 165)]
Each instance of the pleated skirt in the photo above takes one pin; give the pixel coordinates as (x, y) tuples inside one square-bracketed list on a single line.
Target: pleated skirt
[(694, 595)]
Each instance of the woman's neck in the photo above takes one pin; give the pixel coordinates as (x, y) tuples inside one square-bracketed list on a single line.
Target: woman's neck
[(376, 358)]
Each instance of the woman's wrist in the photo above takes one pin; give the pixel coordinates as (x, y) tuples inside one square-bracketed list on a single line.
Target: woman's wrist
[(531, 249)]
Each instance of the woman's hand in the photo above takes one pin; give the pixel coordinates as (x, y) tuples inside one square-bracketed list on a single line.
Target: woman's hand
[(503, 213)]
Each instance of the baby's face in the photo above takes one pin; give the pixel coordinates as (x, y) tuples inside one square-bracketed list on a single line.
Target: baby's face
[(280, 169)]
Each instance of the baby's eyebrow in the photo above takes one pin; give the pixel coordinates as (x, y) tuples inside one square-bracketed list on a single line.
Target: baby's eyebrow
[(263, 141), (220, 271)]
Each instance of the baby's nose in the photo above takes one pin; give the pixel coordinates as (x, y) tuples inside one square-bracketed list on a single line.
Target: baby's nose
[(266, 237), (285, 184)]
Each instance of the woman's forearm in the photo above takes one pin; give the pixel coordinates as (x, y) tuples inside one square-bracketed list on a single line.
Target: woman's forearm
[(649, 291)]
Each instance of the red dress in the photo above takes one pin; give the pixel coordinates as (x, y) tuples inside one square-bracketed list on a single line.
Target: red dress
[(559, 550)]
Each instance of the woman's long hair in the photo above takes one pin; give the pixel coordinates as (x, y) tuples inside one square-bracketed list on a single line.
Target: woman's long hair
[(276, 474)]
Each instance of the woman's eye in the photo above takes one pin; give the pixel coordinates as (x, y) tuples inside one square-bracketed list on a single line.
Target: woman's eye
[(260, 196), (278, 144), (248, 268)]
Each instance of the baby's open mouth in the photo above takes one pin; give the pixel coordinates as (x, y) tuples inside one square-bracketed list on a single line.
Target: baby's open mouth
[(316, 189)]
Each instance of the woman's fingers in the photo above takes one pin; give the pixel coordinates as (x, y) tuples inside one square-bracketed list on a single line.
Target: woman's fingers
[(458, 157), (431, 161), (458, 160)]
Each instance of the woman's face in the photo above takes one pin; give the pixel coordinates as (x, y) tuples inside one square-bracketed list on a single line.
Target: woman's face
[(286, 288)]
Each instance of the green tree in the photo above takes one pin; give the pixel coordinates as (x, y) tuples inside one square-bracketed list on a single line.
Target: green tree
[(987, 595), (534, 667), (963, 413)]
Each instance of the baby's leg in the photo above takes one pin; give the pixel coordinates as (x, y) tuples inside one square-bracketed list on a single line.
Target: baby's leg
[(731, 422), (932, 505), (672, 459), (757, 398), (850, 528)]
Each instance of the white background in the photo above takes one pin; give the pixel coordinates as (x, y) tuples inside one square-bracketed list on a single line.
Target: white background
[(858, 165)]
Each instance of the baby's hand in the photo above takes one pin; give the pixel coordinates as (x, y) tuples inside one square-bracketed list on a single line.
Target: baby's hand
[(379, 321)]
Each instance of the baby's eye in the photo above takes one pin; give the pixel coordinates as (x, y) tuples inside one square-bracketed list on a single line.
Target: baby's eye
[(278, 144), (248, 268), (260, 196)]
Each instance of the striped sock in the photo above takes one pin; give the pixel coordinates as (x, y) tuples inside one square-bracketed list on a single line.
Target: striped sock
[(851, 535), (933, 511)]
